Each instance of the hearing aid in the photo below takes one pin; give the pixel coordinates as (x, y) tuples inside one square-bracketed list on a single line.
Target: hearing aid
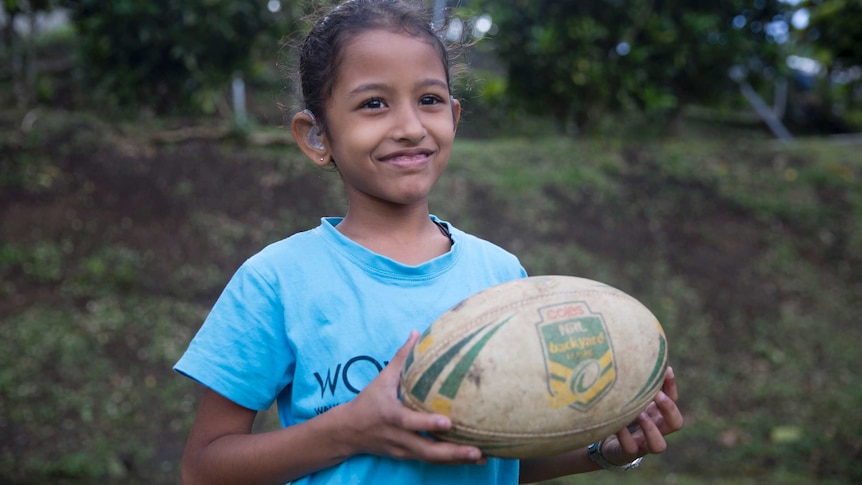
[(313, 137)]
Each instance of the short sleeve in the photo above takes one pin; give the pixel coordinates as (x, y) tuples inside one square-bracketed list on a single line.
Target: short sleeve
[(241, 350)]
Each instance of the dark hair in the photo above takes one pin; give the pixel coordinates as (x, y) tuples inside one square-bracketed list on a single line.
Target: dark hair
[(322, 49)]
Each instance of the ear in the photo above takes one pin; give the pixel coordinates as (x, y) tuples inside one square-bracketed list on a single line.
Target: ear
[(305, 131), (456, 112)]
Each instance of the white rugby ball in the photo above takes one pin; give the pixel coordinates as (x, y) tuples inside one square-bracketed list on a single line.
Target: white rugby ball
[(538, 366)]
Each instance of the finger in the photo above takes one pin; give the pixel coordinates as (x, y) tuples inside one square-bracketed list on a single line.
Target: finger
[(422, 421), (423, 448), (400, 357), (627, 442), (652, 409), (669, 386), (654, 439), (449, 453), (672, 419)]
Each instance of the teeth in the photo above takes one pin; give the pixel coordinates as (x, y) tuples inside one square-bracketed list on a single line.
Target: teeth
[(409, 158)]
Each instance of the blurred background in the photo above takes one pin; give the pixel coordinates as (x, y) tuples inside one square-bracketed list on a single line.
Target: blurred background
[(702, 156)]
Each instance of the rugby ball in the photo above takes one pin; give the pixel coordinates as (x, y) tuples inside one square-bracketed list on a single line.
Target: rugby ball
[(537, 366)]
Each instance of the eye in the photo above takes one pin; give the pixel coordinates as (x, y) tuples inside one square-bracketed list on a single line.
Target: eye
[(430, 100), (373, 103)]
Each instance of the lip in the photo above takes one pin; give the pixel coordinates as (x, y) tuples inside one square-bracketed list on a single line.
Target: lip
[(408, 158)]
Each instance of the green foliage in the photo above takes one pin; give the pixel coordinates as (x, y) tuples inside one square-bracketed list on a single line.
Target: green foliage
[(833, 25), (578, 60), (167, 55), (835, 38), (76, 384), (18, 6)]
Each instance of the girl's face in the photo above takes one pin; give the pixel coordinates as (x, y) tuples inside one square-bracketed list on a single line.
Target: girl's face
[(391, 121)]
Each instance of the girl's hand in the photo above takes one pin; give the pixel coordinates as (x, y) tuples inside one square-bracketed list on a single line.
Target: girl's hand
[(376, 422), (661, 418)]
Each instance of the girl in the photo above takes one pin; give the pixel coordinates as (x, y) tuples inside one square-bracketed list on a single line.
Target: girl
[(316, 322)]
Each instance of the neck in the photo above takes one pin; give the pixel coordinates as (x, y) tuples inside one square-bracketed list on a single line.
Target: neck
[(407, 236)]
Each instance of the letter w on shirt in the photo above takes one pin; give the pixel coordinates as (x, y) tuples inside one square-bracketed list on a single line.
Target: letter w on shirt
[(331, 381)]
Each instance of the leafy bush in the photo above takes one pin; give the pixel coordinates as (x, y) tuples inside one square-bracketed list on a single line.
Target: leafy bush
[(578, 61), (167, 55)]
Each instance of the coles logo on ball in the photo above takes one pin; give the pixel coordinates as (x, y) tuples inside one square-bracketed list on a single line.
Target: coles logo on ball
[(578, 355)]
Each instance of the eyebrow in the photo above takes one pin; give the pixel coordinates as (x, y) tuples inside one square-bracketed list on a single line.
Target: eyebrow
[(430, 82)]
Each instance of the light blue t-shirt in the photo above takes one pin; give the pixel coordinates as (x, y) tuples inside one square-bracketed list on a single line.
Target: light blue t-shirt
[(312, 319)]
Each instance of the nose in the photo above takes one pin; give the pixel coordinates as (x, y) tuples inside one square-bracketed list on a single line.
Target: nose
[(409, 125)]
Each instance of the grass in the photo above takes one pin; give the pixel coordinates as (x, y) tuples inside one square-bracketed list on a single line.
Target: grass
[(112, 249)]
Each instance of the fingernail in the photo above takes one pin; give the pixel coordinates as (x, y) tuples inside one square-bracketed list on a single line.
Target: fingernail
[(670, 372), (661, 396)]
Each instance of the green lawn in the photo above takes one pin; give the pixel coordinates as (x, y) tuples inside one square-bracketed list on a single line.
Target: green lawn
[(113, 247)]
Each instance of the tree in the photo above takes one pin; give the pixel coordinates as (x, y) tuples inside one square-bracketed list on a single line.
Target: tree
[(21, 52), (834, 31), (834, 28), (578, 59), (173, 54)]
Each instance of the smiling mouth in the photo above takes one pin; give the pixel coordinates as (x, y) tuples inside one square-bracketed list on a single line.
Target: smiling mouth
[(407, 159)]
